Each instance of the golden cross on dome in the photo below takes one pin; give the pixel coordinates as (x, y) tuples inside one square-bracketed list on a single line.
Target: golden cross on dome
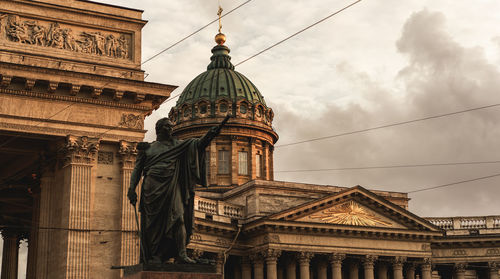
[(219, 13)]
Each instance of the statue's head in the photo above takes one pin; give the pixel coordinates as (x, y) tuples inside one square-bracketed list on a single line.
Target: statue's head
[(163, 127)]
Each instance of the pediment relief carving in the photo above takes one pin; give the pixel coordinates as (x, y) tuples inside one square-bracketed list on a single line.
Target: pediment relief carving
[(55, 35), (350, 213)]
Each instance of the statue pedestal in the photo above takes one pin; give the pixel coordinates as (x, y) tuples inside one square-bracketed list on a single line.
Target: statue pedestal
[(171, 271)]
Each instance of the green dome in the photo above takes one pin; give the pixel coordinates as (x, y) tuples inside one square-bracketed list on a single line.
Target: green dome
[(220, 81)]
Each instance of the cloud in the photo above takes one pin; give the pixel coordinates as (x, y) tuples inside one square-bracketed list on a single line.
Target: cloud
[(440, 76)]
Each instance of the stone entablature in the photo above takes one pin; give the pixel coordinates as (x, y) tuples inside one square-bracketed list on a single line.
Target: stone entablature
[(80, 36)]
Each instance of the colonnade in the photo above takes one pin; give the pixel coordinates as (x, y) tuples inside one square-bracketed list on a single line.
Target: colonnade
[(10, 253), (272, 264)]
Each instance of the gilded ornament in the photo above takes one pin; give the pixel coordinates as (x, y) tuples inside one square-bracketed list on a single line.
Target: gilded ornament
[(350, 213)]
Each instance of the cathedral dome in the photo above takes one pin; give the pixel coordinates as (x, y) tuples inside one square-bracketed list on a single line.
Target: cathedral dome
[(243, 151), (219, 91)]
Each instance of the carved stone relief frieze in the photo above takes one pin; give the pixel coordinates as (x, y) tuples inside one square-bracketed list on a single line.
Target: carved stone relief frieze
[(58, 36), (131, 121), (105, 157)]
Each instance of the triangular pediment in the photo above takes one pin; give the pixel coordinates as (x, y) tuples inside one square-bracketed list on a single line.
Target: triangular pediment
[(355, 207)]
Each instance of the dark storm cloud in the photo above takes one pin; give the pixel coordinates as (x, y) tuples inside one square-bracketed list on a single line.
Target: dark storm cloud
[(440, 76)]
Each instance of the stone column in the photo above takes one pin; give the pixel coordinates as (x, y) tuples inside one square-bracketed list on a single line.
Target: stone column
[(44, 234), (291, 268), (258, 266), (460, 270), (10, 255), (271, 257), (368, 262), (80, 154), (382, 271), (304, 259), (397, 267), (353, 270), (246, 268), (130, 249), (219, 263), (426, 268), (322, 267), (280, 272), (33, 235), (493, 270), (410, 272), (336, 265)]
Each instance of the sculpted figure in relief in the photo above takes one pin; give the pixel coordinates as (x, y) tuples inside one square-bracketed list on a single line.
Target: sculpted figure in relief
[(111, 43), (68, 40), (38, 35), (17, 30), (123, 46)]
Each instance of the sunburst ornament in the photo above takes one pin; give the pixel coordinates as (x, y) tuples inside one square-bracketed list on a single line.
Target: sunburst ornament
[(350, 213)]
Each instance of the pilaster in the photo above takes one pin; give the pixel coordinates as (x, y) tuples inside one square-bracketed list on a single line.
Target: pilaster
[(234, 161), (130, 250), (219, 263), (212, 179), (79, 158)]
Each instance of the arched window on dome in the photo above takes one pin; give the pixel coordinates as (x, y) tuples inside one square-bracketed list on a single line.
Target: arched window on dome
[(243, 109), (203, 108)]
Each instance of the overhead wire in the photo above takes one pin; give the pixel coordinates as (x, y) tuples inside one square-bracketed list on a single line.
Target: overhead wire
[(389, 125), (453, 183), (390, 166), (297, 33)]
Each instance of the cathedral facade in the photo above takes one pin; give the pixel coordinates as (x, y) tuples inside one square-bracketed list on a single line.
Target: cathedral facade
[(72, 105)]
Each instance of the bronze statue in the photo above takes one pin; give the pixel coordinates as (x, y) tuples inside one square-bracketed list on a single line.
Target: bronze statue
[(171, 168)]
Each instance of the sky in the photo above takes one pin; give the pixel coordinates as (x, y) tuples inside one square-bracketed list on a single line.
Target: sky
[(377, 63)]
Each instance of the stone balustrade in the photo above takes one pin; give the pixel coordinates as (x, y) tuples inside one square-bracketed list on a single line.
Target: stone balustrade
[(466, 223), (218, 208)]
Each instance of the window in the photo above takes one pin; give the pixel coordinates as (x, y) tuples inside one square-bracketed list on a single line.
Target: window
[(223, 162), (243, 108), (258, 168), (223, 107), (242, 163)]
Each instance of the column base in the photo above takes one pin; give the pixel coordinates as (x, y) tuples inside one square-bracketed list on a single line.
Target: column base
[(171, 271)]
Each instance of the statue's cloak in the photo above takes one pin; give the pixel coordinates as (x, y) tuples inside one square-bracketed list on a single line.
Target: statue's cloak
[(167, 195)]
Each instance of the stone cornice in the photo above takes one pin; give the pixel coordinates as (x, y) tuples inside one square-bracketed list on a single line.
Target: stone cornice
[(93, 80), (341, 230), (87, 12)]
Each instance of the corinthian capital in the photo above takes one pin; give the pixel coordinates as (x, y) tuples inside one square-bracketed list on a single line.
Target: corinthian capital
[(271, 254), (127, 153), (336, 258), (79, 150)]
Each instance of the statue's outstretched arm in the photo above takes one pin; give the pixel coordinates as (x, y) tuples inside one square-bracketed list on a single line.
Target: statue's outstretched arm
[(212, 133)]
